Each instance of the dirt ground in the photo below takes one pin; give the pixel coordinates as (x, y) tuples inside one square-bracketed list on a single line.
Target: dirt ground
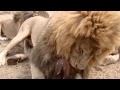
[(22, 70)]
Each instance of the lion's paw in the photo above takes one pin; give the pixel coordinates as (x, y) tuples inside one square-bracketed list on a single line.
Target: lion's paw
[(4, 38), (111, 59), (2, 59)]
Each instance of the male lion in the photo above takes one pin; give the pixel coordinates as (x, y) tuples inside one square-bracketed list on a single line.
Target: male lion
[(83, 38)]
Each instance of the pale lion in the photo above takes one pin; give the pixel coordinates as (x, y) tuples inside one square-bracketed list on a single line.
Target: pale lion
[(29, 28), (5, 18), (10, 23)]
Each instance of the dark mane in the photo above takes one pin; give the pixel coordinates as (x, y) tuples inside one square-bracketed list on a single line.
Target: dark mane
[(27, 14)]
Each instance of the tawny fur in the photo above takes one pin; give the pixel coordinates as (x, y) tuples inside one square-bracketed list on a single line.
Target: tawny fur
[(82, 37)]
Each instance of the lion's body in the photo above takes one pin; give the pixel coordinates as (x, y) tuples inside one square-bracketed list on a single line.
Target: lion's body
[(9, 28), (82, 38), (6, 25), (28, 26), (10, 23), (35, 25)]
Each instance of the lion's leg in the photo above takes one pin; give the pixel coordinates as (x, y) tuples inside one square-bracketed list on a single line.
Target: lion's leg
[(18, 56), (22, 34), (111, 59), (11, 60), (36, 72), (100, 59), (1, 37)]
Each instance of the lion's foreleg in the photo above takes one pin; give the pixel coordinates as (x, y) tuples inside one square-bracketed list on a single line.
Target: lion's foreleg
[(100, 59), (36, 72), (22, 34), (16, 59)]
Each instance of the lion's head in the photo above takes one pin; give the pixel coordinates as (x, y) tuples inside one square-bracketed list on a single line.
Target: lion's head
[(82, 36)]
